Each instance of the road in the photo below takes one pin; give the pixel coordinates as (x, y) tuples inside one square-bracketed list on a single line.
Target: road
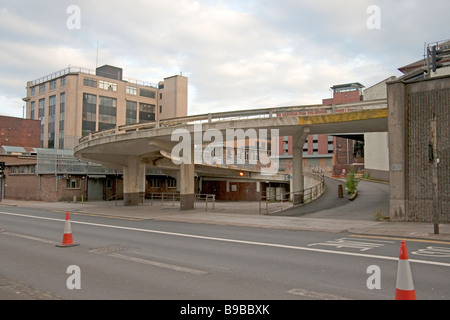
[(148, 259), (372, 197)]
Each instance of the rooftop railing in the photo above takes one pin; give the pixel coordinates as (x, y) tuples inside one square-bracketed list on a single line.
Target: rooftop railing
[(69, 70)]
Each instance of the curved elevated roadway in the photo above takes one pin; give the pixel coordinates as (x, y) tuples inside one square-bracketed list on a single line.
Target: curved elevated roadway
[(133, 147)]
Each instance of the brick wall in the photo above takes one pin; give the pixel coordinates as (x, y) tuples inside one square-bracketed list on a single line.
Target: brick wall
[(41, 188), (22, 187), (19, 132)]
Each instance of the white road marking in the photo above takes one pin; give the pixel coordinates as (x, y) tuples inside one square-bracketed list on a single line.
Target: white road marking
[(315, 295), (158, 264), (353, 244), (26, 237), (237, 241), (440, 252)]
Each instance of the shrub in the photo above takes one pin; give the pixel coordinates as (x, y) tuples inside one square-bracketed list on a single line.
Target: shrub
[(351, 183)]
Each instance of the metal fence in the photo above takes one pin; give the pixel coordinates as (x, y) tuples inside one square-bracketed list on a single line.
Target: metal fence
[(272, 203), (162, 198), (63, 162)]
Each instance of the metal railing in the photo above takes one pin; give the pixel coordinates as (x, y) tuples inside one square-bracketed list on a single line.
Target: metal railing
[(273, 203), (75, 69), (241, 115), (165, 197)]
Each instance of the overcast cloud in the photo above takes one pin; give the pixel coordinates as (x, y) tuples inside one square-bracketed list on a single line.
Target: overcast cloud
[(236, 54)]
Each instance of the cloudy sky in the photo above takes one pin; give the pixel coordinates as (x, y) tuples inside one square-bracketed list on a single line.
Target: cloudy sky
[(237, 54)]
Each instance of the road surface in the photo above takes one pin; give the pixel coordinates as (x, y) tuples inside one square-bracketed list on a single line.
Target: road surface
[(372, 197), (154, 260)]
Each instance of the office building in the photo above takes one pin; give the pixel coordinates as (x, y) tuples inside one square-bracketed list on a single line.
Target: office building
[(74, 102)]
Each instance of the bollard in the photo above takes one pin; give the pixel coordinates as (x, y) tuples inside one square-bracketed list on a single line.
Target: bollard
[(340, 191)]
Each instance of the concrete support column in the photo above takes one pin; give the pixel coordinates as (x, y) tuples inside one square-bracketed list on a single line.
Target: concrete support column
[(396, 93), (187, 186), (133, 181), (297, 165)]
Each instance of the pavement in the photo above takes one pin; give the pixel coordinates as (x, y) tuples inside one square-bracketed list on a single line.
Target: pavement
[(245, 214)]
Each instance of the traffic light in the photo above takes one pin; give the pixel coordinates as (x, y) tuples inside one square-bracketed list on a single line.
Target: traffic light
[(435, 58), (2, 170)]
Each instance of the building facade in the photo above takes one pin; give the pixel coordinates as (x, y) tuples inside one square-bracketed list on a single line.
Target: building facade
[(329, 154), (19, 132), (56, 175), (376, 144), (75, 102)]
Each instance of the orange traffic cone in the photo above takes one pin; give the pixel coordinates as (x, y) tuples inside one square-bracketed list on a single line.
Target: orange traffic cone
[(67, 240), (405, 287)]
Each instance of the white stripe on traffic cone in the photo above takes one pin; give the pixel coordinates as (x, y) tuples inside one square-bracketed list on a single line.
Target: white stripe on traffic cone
[(405, 286)]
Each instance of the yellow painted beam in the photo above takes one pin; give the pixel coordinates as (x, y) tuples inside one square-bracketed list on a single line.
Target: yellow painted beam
[(343, 117)]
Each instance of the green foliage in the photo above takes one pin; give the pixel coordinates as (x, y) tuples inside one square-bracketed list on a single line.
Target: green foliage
[(379, 215), (351, 182)]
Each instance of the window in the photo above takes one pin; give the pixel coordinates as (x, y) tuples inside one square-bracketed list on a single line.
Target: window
[(155, 183), (107, 113), (42, 88), (146, 112), (42, 131), (63, 81), (41, 108), (131, 90), (22, 170), (51, 121), (90, 82), (73, 184), (33, 91), (160, 109), (89, 113), (62, 113), (105, 85), (171, 183), (33, 109), (53, 85), (62, 103), (147, 93), (345, 90), (131, 116)]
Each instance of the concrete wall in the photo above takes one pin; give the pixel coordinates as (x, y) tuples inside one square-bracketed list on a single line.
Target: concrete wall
[(376, 155), (376, 146), (173, 99), (411, 105)]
